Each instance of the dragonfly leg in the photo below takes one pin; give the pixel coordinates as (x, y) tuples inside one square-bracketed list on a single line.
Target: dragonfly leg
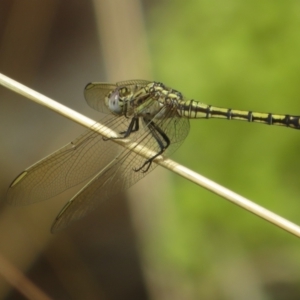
[(160, 137), (133, 127)]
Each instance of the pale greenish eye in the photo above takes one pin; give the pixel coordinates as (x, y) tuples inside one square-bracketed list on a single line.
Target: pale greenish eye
[(114, 103)]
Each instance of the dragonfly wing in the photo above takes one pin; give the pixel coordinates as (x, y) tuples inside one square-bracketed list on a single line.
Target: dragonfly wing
[(134, 82), (119, 174), (68, 166), (112, 180), (95, 93)]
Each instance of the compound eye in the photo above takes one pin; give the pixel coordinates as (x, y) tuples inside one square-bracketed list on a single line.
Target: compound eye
[(114, 103)]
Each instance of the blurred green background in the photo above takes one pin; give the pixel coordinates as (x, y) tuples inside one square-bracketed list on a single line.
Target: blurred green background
[(242, 55), (172, 239)]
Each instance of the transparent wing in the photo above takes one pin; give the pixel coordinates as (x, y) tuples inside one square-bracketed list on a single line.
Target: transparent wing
[(95, 92), (133, 82), (68, 166), (119, 174), (109, 182)]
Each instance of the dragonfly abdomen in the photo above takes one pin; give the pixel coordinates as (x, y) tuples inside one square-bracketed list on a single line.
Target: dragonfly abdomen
[(197, 110)]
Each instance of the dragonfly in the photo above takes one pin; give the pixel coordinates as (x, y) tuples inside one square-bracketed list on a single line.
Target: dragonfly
[(148, 113)]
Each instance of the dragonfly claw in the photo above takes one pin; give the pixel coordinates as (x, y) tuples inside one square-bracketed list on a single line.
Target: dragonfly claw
[(146, 163)]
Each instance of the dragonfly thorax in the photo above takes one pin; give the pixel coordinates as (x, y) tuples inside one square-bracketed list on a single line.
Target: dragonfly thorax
[(153, 101)]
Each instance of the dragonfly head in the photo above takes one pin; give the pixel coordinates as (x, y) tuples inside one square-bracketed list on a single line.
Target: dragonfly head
[(116, 99)]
